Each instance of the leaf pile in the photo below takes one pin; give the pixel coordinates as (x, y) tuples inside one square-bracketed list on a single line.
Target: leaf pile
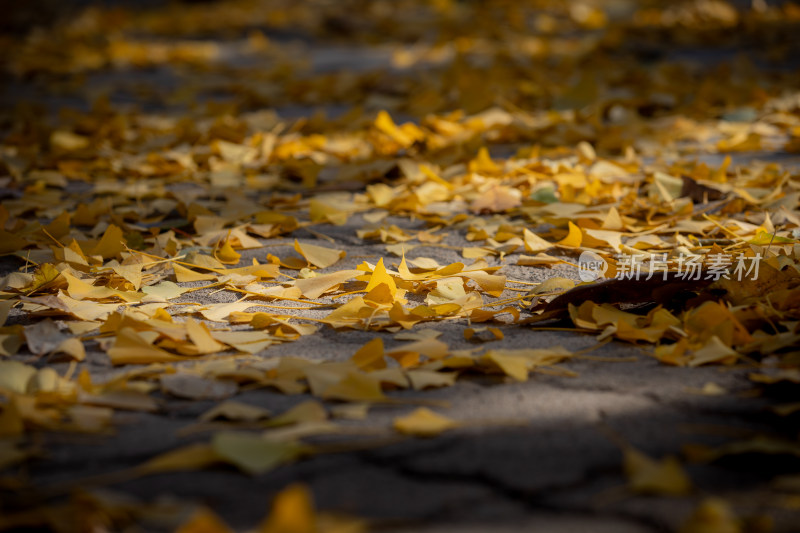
[(179, 242)]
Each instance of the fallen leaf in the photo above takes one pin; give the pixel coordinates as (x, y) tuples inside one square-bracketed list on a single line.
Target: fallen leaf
[(319, 256), (191, 457), (254, 454), (648, 476), (131, 348), (424, 379), (381, 277), (485, 334), (201, 338), (203, 520), (423, 423), (573, 238), (370, 356), (235, 411), (15, 376), (292, 512), (355, 386), (712, 515), (497, 199), (314, 287), (305, 412)]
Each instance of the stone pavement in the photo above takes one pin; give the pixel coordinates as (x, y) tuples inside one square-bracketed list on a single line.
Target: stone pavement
[(543, 455)]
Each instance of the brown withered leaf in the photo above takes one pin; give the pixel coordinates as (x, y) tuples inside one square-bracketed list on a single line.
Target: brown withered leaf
[(670, 293)]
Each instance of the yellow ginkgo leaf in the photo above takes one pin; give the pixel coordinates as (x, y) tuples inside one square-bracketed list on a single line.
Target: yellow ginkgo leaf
[(497, 199), (483, 164), (380, 296), (320, 211), (491, 284), (82, 290), (204, 520), (355, 386), (316, 286), (430, 347), (111, 243), (132, 273), (379, 275), (534, 243), (423, 423), (68, 141), (292, 512), (165, 290), (573, 238), (319, 256), (370, 356), (745, 142), (612, 221), (386, 125), (72, 347), (514, 366), (183, 274), (237, 411), (485, 334), (765, 238), (254, 454), (447, 290), (190, 457), (15, 376), (131, 348), (424, 379), (226, 254), (713, 515), (309, 411), (202, 339), (714, 351), (646, 475)]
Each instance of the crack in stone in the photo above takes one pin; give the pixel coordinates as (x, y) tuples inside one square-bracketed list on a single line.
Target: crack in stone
[(526, 499)]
